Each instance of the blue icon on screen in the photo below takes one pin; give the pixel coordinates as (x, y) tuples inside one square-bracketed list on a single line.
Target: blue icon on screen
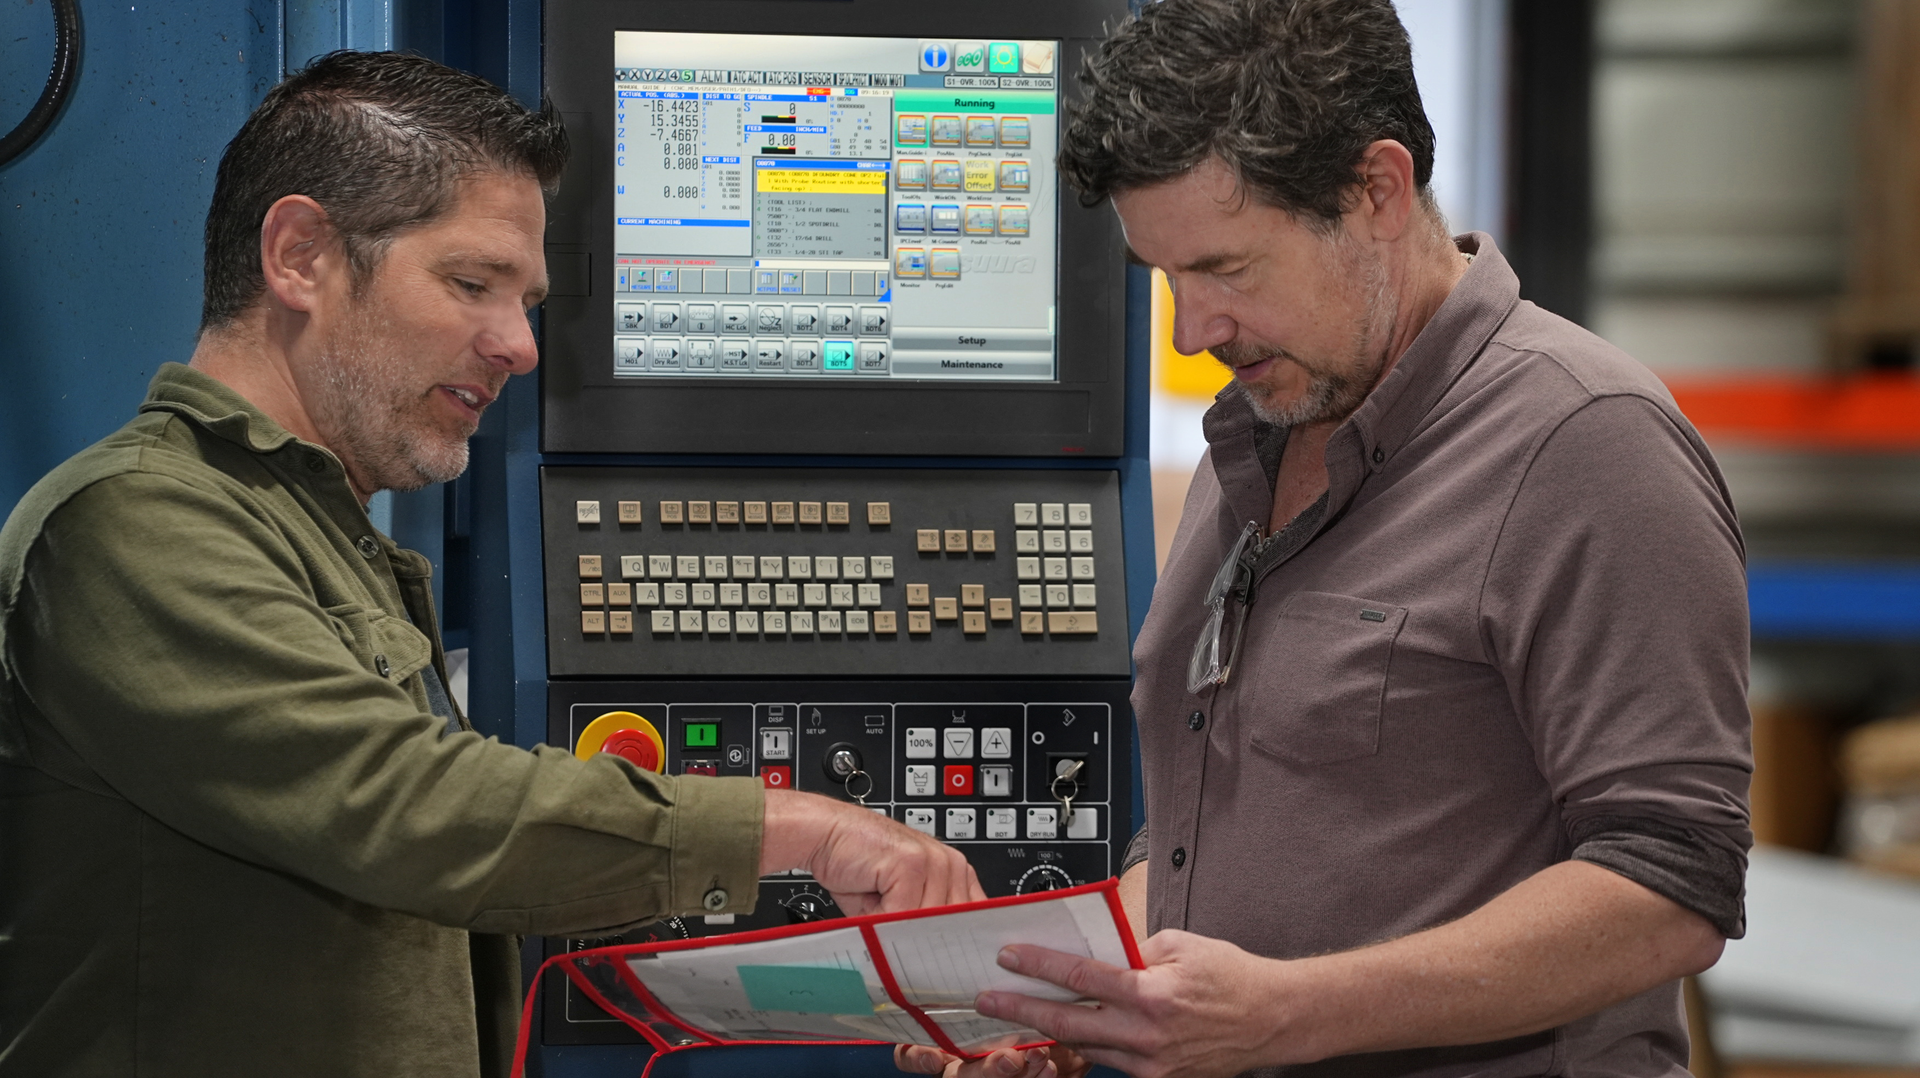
[(935, 56)]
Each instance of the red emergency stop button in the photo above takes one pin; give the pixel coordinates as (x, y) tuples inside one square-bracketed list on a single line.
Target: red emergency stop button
[(777, 777), (958, 780), (635, 747)]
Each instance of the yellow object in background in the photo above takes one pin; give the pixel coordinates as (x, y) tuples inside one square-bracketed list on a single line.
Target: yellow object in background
[(1198, 377)]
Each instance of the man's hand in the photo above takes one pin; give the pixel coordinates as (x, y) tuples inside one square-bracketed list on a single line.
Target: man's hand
[(1201, 1007), (1056, 1061), (866, 861)]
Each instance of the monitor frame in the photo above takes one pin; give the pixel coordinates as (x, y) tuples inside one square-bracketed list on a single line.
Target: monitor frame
[(586, 409)]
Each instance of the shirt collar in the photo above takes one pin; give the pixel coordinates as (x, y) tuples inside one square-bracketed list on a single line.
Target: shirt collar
[(211, 403), (1394, 411)]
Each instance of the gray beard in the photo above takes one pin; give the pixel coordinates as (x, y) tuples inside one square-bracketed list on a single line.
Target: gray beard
[(365, 418), (1333, 393)]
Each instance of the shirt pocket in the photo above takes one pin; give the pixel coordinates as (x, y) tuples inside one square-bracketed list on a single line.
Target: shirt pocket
[(386, 646), (1314, 691)]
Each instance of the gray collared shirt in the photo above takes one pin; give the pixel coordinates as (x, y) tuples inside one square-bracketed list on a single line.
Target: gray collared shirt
[(1520, 621)]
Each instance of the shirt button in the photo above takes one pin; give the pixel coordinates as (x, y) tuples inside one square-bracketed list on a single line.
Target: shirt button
[(1179, 856), (715, 900), (315, 463), (380, 663), (368, 546), (1196, 720), (1379, 454)]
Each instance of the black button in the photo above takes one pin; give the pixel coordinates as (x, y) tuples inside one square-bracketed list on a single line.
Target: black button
[(1179, 856), (368, 546), (1379, 455), (315, 463), (1196, 720)]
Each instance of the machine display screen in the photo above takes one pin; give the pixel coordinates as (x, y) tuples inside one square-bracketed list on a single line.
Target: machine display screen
[(852, 208)]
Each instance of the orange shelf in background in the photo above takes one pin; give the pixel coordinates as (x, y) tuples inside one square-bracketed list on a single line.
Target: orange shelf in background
[(1861, 411)]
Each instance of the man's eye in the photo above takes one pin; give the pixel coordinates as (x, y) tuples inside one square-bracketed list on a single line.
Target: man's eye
[(472, 288)]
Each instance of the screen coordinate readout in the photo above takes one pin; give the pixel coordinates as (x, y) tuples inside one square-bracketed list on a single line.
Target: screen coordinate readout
[(819, 207)]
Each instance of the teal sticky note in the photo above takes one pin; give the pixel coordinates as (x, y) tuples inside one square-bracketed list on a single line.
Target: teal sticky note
[(805, 989)]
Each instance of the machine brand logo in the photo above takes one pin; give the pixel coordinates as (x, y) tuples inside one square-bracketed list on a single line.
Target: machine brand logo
[(999, 264)]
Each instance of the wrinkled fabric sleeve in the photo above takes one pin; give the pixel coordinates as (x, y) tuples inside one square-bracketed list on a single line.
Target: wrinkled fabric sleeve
[(1615, 606), (164, 638)]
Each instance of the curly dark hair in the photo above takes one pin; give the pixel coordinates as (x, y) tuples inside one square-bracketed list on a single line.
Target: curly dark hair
[(1287, 93), (381, 140)]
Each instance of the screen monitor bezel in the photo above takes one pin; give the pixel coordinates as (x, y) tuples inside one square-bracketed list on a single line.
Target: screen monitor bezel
[(584, 408)]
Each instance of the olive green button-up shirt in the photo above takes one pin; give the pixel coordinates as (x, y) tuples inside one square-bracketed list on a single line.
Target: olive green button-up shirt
[(234, 840)]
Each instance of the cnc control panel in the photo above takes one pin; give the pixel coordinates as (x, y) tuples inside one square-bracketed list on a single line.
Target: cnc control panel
[(1029, 779)]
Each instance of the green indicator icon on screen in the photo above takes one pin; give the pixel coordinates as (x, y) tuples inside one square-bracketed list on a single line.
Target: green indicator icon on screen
[(702, 735), (1003, 58), (839, 356)]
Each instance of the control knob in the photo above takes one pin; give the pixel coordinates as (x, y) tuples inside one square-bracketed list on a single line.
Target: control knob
[(1042, 878)]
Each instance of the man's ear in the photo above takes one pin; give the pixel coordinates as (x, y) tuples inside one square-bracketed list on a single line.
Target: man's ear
[(1387, 190), (297, 250)]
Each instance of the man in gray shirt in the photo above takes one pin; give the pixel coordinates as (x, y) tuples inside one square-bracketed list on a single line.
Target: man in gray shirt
[(1442, 694)]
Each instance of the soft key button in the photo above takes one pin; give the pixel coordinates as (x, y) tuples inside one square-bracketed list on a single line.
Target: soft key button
[(1026, 542), (691, 621), (776, 744), (633, 566), (919, 621), (687, 566), (1026, 514), (619, 594), (960, 823), (589, 566), (829, 621), (869, 594), (956, 742), (1082, 568), (661, 621), (945, 608), (732, 594), (746, 621), (1079, 515), (716, 566), (882, 565), (646, 594), (593, 595), (1080, 541), (673, 594), (1000, 609), (826, 567), (853, 568), (973, 595), (956, 540), (842, 594), (772, 566), (799, 567), (996, 781), (702, 594), (839, 513), (1053, 515), (629, 512), (983, 541), (782, 512), (801, 621), (921, 780), (786, 594), (1085, 823), (660, 566), (1043, 823), (927, 540), (1002, 823), (586, 512), (700, 512), (1030, 595), (743, 566), (1083, 595), (1054, 568), (814, 594), (754, 512), (973, 621), (809, 512), (996, 743), (879, 513), (719, 621), (1026, 568), (917, 595), (857, 621), (726, 512), (920, 820), (1053, 542), (759, 594), (673, 513)]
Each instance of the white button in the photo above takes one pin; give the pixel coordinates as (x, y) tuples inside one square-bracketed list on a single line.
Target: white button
[(586, 512), (920, 743), (799, 567), (1080, 542), (801, 622), (869, 594), (730, 595), (825, 568), (853, 568), (1053, 515), (1059, 596), (660, 566), (996, 780), (996, 743), (1030, 595), (882, 566), (1083, 568), (920, 780), (719, 621), (1085, 823), (746, 621), (772, 567), (662, 621), (1043, 823), (716, 566), (775, 621), (856, 621), (957, 742), (691, 621), (633, 566), (840, 594), (1002, 823), (1083, 595), (743, 566), (1079, 515), (829, 621), (687, 566), (1055, 568), (814, 594), (1026, 542), (1027, 568), (673, 594), (759, 594), (646, 594), (786, 594), (701, 594), (920, 820), (1026, 513), (1053, 542), (960, 823)]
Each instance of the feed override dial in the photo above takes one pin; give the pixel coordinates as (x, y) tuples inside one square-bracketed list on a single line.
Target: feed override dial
[(1042, 878)]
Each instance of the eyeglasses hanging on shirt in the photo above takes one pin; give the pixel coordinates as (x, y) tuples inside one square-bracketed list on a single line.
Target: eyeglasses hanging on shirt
[(1234, 576)]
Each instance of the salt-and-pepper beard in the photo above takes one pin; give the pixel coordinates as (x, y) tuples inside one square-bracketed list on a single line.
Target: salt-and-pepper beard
[(363, 407), (1335, 387)]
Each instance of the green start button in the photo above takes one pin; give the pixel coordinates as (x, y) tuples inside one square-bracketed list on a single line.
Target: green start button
[(702, 735)]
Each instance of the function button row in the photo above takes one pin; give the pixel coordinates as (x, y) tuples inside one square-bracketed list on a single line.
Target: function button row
[(1057, 596), (767, 623), (704, 593), (748, 567), (1032, 568), (954, 540), (1053, 514), (957, 742), (709, 512)]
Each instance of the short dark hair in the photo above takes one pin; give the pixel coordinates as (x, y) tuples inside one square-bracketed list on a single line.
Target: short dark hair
[(381, 141), (1287, 93)]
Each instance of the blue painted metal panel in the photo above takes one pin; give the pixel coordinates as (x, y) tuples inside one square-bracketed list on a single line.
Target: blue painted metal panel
[(1814, 601)]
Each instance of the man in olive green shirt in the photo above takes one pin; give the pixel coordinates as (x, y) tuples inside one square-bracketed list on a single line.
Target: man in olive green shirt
[(243, 830)]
